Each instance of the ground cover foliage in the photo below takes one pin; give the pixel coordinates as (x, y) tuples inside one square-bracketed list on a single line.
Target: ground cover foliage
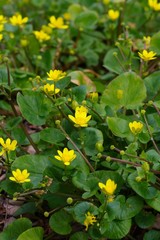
[(80, 119)]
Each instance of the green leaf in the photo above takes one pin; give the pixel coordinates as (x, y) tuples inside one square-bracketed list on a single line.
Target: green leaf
[(127, 90), (125, 209), (155, 202), (114, 63), (142, 188), (79, 93), (34, 107), (152, 234), (145, 219), (29, 207), (4, 77), (152, 84), (35, 233), (79, 236), (60, 222), (35, 164), (155, 43), (14, 229), (119, 127), (82, 208), (52, 135), (89, 136), (87, 19), (115, 229)]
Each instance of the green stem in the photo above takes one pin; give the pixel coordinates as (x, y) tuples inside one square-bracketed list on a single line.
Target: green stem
[(154, 143), (75, 146)]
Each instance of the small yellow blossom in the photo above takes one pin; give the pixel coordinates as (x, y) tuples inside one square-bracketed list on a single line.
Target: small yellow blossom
[(147, 56), (81, 119), (113, 15), (89, 220), (56, 75), (81, 109), (135, 127), (20, 176), (93, 96), (1, 36), (147, 41), (50, 89), (7, 146), (119, 94), (67, 156), (2, 19), (108, 188), (17, 20), (41, 36), (154, 5), (57, 23)]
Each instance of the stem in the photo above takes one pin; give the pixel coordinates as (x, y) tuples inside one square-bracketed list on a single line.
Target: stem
[(130, 155), (24, 128), (95, 113), (75, 146), (156, 109), (128, 162), (154, 143), (16, 114)]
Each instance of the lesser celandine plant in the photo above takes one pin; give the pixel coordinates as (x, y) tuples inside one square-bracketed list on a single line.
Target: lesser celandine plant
[(80, 119)]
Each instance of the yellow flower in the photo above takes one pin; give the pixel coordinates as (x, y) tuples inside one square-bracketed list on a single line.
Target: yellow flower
[(20, 176), (147, 41), (93, 96), (81, 109), (57, 23), (67, 156), (50, 90), (8, 145), (41, 36), (89, 220), (154, 5), (147, 56), (108, 188), (113, 15), (17, 20), (1, 37), (2, 19), (135, 127), (81, 119), (56, 75)]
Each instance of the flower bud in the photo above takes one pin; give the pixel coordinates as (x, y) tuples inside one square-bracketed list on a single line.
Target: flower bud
[(58, 122), (46, 214), (108, 158), (143, 111), (74, 104), (138, 179), (112, 147), (122, 152), (69, 200), (145, 167), (99, 147)]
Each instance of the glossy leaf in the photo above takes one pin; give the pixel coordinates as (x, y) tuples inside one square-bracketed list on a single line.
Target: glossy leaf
[(35, 233), (127, 90)]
